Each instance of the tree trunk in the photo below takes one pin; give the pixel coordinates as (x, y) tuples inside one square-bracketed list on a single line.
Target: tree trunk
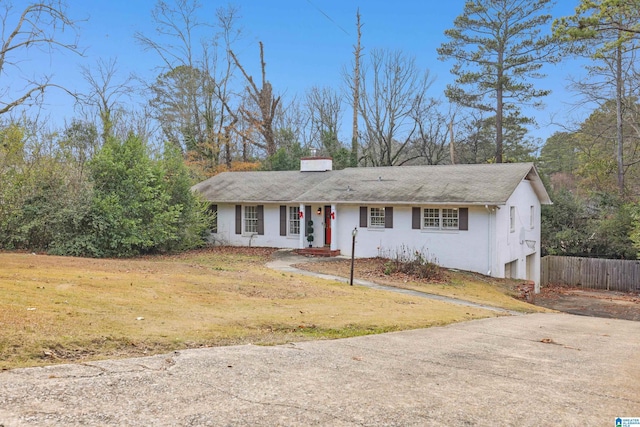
[(499, 106), (245, 151), (266, 103), (619, 132), (452, 151), (356, 96)]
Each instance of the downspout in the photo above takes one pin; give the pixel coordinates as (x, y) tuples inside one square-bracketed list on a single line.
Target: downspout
[(489, 240)]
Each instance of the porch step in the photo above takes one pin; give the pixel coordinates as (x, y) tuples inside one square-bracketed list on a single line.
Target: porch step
[(319, 252)]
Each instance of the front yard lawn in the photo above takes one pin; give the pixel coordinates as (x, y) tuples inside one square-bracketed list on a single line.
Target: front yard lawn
[(63, 309)]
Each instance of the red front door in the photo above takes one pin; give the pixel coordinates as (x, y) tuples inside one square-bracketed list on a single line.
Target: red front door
[(327, 225)]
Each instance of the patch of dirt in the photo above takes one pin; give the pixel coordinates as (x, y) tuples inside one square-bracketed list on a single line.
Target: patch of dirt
[(595, 303)]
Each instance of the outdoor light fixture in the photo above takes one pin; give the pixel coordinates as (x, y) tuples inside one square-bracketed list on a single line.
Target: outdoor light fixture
[(354, 233), (319, 211)]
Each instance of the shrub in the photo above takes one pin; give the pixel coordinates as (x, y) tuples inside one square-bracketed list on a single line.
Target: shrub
[(414, 263)]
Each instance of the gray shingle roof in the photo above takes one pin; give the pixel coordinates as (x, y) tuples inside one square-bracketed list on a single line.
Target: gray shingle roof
[(447, 184)]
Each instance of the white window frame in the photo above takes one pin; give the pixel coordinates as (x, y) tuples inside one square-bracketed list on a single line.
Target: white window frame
[(443, 218), (512, 219), (428, 221), (450, 218), (293, 221), (376, 217), (250, 219), (532, 216)]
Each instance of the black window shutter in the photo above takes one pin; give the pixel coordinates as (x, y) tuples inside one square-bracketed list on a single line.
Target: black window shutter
[(260, 212), (415, 218), (463, 218), (213, 211), (363, 217), (307, 218), (388, 217), (283, 220), (238, 219)]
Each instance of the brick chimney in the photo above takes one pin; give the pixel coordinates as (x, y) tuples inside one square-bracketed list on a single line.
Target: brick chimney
[(316, 164)]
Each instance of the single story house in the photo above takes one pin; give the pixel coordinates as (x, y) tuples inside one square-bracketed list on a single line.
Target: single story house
[(483, 218)]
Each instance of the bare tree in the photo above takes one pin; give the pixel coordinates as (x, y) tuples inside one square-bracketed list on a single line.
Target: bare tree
[(228, 117), (105, 94), (139, 121), (393, 92), (474, 141), (615, 78), (324, 107), (178, 100), (429, 145), (324, 110), (40, 26), (295, 117), (179, 24), (607, 33), (191, 95), (265, 104), (357, 53)]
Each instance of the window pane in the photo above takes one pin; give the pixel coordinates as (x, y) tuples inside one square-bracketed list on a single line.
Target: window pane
[(450, 218), (294, 220), (512, 218), (532, 215), (431, 218), (250, 219), (376, 217)]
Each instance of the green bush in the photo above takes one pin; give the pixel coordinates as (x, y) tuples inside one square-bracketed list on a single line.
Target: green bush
[(140, 205)]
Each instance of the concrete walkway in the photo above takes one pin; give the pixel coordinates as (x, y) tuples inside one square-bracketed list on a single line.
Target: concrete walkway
[(533, 370), (285, 259)]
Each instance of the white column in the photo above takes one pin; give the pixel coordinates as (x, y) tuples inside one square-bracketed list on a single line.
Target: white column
[(303, 227), (334, 228)]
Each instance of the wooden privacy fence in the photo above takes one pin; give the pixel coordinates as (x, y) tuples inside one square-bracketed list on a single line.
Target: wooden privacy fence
[(591, 273)]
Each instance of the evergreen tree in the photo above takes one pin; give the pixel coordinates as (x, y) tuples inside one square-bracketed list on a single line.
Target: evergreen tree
[(559, 154), (131, 212), (138, 205), (498, 47), (192, 221)]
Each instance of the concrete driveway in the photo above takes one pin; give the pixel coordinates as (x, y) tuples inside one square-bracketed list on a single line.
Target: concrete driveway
[(532, 370)]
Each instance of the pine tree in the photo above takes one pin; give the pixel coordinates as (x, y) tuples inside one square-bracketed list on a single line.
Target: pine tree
[(498, 46)]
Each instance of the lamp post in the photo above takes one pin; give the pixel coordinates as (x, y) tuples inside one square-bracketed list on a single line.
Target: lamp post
[(354, 233)]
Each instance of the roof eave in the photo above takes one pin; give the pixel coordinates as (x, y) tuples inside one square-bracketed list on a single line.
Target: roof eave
[(538, 186), (366, 202)]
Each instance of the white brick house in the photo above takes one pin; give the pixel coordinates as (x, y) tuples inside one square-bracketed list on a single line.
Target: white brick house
[(482, 218)]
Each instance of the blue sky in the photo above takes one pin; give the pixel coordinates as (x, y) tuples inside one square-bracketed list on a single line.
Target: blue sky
[(307, 43)]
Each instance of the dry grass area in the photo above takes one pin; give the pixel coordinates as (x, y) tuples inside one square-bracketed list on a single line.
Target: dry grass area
[(61, 309), (456, 284)]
